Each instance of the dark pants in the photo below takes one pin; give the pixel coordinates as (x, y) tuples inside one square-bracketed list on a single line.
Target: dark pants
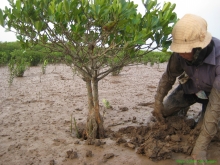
[(178, 102)]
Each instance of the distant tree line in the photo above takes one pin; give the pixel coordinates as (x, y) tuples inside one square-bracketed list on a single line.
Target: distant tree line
[(12, 51)]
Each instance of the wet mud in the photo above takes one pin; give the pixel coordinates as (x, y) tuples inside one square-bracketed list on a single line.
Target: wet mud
[(158, 141)]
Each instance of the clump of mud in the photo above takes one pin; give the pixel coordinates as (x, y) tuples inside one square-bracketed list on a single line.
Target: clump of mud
[(158, 141)]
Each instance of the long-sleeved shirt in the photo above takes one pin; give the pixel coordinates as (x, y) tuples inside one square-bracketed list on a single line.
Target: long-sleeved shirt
[(201, 78)]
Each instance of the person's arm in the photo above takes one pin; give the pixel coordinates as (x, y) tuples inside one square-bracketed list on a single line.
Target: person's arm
[(169, 77), (166, 82), (210, 121)]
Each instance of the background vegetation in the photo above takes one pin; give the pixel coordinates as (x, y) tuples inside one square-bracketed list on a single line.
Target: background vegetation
[(36, 55)]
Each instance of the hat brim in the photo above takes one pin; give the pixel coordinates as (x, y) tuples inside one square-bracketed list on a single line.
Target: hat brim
[(188, 46)]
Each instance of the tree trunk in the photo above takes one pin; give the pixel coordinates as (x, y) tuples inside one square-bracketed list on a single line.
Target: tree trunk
[(94, 127)]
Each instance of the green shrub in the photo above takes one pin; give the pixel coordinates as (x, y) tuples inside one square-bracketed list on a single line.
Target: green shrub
[(18, 64), (4, 58), (34, 57), (155, 57)]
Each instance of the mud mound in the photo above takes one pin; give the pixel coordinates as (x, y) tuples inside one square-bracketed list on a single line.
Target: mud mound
[(158, 141)]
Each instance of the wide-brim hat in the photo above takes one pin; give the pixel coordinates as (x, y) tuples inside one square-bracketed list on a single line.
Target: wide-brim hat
[(188, 33)]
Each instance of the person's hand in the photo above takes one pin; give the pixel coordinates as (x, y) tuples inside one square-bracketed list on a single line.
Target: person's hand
[(157, 112)]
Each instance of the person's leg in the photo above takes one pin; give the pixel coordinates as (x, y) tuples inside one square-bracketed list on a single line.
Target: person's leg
[(210, 126), (177, 101)]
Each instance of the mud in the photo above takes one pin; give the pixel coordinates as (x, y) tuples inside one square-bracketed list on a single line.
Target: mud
[(35, 120), (158, 141)]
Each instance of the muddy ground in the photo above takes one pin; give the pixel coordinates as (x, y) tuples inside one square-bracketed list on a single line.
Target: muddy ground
[(35, 121)]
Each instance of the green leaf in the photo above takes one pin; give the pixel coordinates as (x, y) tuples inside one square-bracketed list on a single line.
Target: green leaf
[(97, 9), (140, 42), (19, 37), (51, 8), (38, 25), (166, 44), (155, 21), (166, 6), (151, 4), (44, 39), (73, 28), (167, 30), (18, 5), (167, 14), (59, 8), (16, 12), (157, 38), (157, 28), (172, 7), (173, 18), (1, 18), (66, 6)]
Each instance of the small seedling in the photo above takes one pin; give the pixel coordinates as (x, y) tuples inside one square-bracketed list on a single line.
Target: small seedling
[(77, 131), (71, 124), (106, 103), (43, 67)]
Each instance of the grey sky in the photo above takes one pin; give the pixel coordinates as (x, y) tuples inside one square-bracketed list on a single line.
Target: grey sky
[(208, 9)]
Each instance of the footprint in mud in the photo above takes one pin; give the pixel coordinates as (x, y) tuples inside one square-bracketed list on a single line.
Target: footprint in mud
[(107, 156), (57, 142), (89, 153), (71, 154)]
